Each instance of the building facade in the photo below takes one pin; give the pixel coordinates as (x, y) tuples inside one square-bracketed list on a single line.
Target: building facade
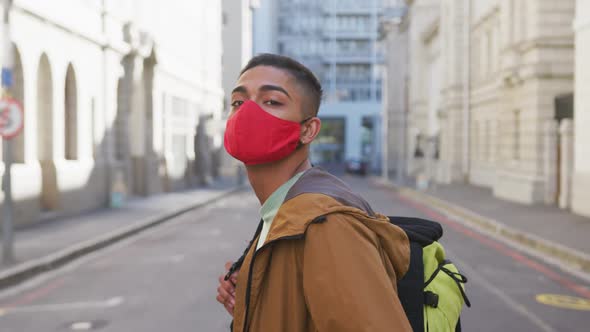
[(424, 84), (238, 43), (337, 40), (522, 61), (265, 27), (581, 177), (489, 84), (112, 99), (425, 91), (395, 76)]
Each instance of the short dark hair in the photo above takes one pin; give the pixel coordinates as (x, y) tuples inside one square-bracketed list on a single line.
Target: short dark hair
[(304, 77)]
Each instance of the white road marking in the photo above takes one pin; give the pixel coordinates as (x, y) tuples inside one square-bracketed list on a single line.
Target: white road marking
[(177, 258), (109, 303), (81, 326), (517, 307), (163, 259)]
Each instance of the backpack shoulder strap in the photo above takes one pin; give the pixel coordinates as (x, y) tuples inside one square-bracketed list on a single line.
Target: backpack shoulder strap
[(411, 287), (419, 230)]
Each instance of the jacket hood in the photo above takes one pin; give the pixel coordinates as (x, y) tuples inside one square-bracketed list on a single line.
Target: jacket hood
[(317, 180), (317, 195)]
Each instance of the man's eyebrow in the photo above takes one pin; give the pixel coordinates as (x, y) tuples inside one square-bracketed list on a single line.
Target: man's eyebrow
[(240, 88), (267, 87), (274, 88)]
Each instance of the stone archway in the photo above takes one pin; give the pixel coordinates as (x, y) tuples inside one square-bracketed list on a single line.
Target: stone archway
[(120, 125), (49, 199), (137, 128), (151, 183), (133, 125), (120, 132), (139, 77), (137, 125)]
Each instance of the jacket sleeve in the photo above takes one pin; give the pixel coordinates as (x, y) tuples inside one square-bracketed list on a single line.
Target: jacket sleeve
[(345, 282)]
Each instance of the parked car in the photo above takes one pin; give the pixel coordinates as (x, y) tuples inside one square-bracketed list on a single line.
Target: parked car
[(356, 166)]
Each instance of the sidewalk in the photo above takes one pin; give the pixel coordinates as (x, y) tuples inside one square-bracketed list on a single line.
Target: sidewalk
[(51, 244), (547, 222), (553, 233)]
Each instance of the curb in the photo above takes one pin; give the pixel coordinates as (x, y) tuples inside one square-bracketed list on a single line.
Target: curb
[(29, 269), (572, 258)]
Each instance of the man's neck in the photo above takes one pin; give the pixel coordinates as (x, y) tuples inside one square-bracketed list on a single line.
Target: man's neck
[(266, 179)]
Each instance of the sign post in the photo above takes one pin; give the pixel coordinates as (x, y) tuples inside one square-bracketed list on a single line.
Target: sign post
[(11, 123), (7, 223)]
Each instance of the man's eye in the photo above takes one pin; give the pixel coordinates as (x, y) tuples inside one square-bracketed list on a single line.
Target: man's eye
[(272, 102), (237, 103)]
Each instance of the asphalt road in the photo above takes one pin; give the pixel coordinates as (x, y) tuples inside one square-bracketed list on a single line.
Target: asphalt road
[(165, 279)]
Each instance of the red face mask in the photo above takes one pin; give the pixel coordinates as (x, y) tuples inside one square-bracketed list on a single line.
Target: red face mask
[(254, 136)]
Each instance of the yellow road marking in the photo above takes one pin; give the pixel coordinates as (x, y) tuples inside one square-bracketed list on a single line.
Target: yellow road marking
[(564, 301)]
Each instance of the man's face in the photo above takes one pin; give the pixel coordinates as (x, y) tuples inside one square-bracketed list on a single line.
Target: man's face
[(273, 89)]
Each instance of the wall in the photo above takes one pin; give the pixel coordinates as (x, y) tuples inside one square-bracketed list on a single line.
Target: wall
[(581, 181), (125, 66)]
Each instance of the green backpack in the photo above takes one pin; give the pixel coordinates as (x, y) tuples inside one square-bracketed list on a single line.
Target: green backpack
[(432, 292)]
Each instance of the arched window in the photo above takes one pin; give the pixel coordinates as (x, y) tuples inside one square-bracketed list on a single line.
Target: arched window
[(120, 130), (71, 115), (49, 199), (44, 111)]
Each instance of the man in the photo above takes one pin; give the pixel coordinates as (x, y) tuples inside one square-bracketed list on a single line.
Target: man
[(321, 259)]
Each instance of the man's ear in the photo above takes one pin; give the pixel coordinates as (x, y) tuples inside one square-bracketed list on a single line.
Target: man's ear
[(310, 130)]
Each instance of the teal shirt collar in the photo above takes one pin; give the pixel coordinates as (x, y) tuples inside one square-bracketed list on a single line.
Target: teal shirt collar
[(271, 206)]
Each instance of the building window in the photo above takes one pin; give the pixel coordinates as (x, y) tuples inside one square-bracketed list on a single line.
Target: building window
[(165, 122), (522, 20), (475, 144), (498, 134), (484, 57), (490, 52), (513, 21), (71, 116), (518, 20), (329, 145), (93, 126), (516, 146), (179, 155), (488, 141), (497, 45), (44, 113), (476, 60), (120, 125)]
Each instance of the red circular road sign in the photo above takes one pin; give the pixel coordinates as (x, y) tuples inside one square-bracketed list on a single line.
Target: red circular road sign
[(12, 118)]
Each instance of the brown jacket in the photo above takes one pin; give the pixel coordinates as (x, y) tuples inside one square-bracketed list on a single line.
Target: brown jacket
[(329, 264)]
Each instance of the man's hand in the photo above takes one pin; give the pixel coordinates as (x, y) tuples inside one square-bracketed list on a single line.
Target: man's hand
[(227, 290)]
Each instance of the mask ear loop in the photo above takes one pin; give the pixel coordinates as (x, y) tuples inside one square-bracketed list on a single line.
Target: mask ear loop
[(300, 144), (306, 119)]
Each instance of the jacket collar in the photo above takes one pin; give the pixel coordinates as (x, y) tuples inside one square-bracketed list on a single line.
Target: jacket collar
[(317, 193)]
